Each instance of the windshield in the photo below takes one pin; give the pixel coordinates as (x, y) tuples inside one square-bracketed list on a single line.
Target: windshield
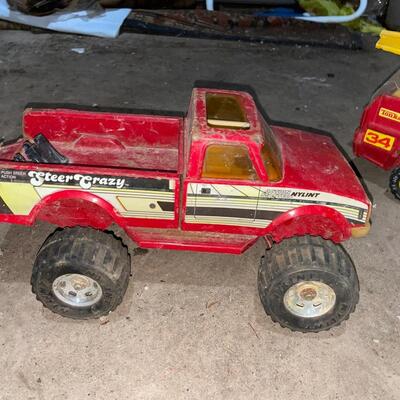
[(390, 87)]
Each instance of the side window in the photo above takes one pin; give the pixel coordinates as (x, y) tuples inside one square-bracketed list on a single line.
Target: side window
[(271, 156), (271, 163), (228, 162)]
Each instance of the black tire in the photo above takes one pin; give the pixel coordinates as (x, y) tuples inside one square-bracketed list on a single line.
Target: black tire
[(88, 252), (392, 20), (394, 183), (304, 259)]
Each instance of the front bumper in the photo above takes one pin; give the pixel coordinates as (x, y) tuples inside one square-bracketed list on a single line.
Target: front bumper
[(361, 231)]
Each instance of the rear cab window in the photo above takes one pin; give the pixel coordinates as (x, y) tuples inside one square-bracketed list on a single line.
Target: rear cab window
[(225, 111)]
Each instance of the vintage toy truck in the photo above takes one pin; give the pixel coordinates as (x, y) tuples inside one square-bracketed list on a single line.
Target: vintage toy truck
[(377, 139), (216, 180)]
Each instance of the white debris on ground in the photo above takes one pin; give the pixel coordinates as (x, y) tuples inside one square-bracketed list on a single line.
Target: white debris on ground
[(78, 50)]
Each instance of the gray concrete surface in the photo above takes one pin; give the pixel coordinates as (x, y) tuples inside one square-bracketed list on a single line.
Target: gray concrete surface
[(191, 325)]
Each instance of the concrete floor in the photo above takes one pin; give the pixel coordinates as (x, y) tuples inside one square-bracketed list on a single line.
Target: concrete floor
[(191, 325)]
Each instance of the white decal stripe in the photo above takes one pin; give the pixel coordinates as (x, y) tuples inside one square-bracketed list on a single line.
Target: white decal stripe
[(136, 196), (140, 214), (348, 212), (142, 204), (289, 204), (249, 197), (127, 191), (226, 221), (278, 193)]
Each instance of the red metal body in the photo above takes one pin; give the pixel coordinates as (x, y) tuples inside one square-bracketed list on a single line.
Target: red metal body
[(144, 173), (377, 139)]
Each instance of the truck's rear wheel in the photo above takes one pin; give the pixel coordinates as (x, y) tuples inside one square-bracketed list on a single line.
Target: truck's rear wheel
[(394, 183), (81, 273), (308, 284)]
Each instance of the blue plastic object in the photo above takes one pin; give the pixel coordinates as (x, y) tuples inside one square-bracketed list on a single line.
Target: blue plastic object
[(329, 19), (279, 12)]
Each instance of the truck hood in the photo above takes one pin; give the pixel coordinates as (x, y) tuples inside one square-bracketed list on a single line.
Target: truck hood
[(313, 162)]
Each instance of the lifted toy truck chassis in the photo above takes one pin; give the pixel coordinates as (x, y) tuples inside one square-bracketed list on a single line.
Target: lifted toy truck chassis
[(216, 180)]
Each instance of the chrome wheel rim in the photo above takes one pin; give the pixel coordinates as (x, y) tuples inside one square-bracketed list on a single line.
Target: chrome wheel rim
[(309, 299), (77, 290)]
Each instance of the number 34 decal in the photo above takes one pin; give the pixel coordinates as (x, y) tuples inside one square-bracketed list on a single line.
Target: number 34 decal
[(378, 139)]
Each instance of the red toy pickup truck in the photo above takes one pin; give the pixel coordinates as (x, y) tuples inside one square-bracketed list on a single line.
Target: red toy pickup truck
[(215, 181)]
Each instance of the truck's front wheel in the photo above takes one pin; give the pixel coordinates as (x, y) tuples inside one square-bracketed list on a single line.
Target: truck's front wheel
[(308, 284), (81, 273)]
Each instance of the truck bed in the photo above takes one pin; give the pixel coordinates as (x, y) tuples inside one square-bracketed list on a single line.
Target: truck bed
[(134, 141)]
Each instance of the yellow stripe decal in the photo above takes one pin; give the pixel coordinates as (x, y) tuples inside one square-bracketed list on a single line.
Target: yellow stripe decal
[(20, 198)]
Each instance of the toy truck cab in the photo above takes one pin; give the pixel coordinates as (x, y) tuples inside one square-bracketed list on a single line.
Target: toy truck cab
[(377, 139), (230, 153), (217, 180)]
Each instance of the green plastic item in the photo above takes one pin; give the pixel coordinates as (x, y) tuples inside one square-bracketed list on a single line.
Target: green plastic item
[(332, 7)]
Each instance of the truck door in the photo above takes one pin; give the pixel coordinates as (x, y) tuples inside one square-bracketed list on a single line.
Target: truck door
[(227, 192)]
